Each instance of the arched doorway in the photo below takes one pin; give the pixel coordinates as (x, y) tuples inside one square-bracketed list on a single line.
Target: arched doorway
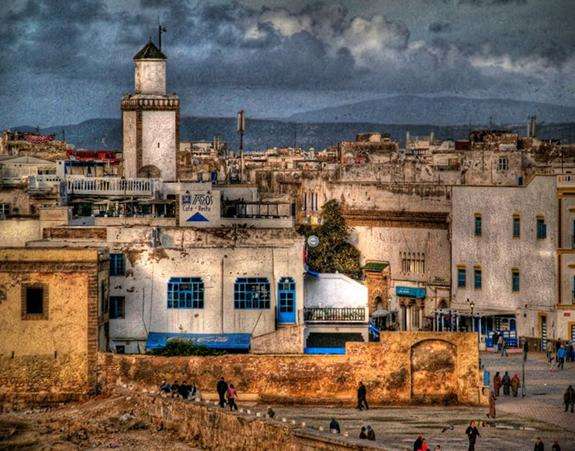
[(150, 172), (433, 371)]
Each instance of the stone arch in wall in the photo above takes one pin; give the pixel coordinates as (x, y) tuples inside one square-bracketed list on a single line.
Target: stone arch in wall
[(150, 171), (433, 371)]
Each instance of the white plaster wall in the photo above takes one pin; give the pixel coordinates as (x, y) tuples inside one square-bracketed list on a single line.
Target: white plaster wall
[(386, 243), (497, 252), (15, 232), (159, 142), (129, 144), (150, 77), (334, 290), (149, 270)]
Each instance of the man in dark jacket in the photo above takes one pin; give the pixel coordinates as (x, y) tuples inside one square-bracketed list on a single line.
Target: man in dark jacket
[(418, 442), (334, 426), (569, 398), (506, 381), (539, 446), (362, 397), (472, 433), (222, 388)]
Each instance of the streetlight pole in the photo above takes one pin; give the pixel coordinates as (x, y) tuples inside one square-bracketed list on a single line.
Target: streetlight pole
[(523, 393)]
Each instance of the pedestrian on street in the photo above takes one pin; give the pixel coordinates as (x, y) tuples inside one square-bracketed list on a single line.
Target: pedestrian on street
[(363, 433), (555, 446), (495, 341), (500, 343), (222, 388), (561, 354), (334, 426), (232, 395), (548, 353), (539, 446), (506, 381), (362, 397), (525, 348), (418, 442), (515, 384), (370, 433), (497, 383), (424, 446), (504, 347), (569, 398), (492, 399), (569, 357), (472, 433)]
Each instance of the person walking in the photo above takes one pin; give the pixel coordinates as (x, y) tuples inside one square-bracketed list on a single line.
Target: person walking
[(472, 433), (504, 347), (569, 350), (569, 398), (334, 426), (362, 397), (539, 445), (418, 442), (222, 389), (492, 399), (500, 343), (495, 341), (232, 395), (497, 383), (363, 433), (561, 354), (555, 446), (506, 381), (515, 384)]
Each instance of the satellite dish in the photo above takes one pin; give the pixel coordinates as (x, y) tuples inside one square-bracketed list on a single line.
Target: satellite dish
[(312, 241)]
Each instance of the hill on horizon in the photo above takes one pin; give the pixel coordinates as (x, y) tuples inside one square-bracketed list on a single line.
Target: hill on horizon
[(106, 133), (447, 111)]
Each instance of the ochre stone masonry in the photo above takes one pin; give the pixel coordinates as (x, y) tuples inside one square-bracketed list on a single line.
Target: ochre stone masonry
[(405, 367)]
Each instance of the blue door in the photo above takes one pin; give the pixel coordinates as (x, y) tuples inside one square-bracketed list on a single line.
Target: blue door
[(286, 301)]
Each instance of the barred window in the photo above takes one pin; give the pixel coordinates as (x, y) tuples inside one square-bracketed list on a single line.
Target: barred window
[(117, 265), (252, 293), (186, 292), (412, 262)]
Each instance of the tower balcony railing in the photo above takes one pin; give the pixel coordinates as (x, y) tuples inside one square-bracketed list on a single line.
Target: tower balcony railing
[(111, 186), (335, 314)]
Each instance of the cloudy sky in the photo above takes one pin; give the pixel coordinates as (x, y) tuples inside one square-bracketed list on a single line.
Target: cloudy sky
[(64, 61)]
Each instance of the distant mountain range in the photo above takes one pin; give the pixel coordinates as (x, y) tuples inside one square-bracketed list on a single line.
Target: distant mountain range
[(438, 111), (447, 117)]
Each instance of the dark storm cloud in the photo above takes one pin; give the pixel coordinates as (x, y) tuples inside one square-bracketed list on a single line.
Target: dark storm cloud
[(463, 49), (439, 27)]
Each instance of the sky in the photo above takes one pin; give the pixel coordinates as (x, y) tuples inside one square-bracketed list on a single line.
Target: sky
[(63, 61)]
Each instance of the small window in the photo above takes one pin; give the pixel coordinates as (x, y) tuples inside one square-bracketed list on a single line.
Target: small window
[(541, 229), (515, 282), (120, 349), (461, 277), (4, 210), (503, 164), (516, 227), (117, 265), (34, 302), (117, 307), (477, 225), (252, 293), (185, 292), (477, 278)]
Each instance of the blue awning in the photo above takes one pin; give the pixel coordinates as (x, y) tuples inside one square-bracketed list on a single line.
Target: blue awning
[(310, 272), (410, 292), (158, 340)]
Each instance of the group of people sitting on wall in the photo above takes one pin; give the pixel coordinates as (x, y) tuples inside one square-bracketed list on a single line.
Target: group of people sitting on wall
[(177, 390)]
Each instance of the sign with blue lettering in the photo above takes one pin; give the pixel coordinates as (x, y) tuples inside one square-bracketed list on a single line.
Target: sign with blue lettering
[(200, 208), (410, 292)]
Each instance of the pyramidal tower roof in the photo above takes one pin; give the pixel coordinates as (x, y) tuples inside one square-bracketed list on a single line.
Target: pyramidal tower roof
[(150, 52)]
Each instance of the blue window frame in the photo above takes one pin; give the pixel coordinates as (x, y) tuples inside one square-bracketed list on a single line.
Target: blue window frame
[(186, 292), (516, 227), (461, 277), (252, 293), (117, 265), (477, 225), (515, 285), (541, 229), (286, 293), (477, 279), (117, 307)]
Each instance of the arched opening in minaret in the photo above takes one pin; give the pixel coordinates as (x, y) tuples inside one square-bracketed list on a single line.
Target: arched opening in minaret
[(150, 171)]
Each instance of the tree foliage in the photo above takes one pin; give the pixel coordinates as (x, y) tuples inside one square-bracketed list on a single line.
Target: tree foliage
[(334, 253)]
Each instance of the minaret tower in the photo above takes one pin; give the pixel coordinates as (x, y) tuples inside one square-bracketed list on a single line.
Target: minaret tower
[(150, 119)]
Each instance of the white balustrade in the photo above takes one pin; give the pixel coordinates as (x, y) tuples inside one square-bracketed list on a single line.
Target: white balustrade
[(111, 186)]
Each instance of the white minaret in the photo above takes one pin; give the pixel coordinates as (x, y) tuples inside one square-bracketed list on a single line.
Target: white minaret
[(150, 120)]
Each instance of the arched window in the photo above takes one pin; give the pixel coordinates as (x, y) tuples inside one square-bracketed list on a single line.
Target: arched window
[(252, 293), (186, 292)]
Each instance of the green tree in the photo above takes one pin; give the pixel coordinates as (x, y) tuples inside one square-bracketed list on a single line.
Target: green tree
[(334, 253)]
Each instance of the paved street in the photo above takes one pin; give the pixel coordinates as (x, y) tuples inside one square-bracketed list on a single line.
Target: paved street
[(544, 386)]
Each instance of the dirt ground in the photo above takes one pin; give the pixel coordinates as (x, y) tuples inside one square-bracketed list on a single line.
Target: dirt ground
[(100, 423)]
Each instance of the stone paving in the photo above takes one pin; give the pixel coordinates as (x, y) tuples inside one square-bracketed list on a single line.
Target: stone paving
[(544, 385)]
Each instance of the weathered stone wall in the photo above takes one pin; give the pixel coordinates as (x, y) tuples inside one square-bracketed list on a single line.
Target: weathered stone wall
[(54, 352), (285, 340), (214, 428), (404, 367)]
